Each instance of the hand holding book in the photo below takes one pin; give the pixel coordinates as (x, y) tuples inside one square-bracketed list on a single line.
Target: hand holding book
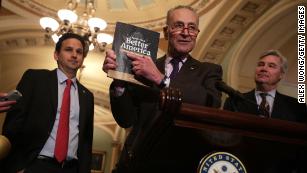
[(109, 61), (135, 50), (145, 67)]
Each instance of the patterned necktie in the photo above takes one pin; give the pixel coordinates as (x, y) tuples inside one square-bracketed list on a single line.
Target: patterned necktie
[(61, 143), (264, 106), (175, 64)]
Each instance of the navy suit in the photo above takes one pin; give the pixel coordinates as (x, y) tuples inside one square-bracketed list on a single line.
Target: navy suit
[(154, 146), (31, 120), (284, 107)]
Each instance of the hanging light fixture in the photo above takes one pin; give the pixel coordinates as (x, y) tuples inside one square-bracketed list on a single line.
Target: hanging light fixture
[(87, 25)]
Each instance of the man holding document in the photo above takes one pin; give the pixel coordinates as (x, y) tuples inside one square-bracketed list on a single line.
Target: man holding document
[(168, 149)]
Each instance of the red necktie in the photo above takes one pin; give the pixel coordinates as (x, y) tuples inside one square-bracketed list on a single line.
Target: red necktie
[(61, 142)]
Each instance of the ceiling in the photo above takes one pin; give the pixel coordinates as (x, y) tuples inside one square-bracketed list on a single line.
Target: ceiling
[(146, 13), (221, 22)]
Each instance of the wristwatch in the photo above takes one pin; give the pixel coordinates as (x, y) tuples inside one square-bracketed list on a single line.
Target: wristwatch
[(163, 82)]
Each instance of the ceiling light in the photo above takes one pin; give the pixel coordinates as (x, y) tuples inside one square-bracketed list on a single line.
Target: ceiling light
[(87, 25)]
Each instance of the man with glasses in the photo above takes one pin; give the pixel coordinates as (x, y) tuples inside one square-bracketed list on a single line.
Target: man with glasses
[(167, 148)]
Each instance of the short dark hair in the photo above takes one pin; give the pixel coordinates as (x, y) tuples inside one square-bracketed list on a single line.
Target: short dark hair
[(72, 35)]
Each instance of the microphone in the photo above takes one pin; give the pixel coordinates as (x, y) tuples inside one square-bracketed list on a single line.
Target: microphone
[(222, 86)]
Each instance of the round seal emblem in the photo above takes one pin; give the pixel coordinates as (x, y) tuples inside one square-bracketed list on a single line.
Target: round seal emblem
[(220, 162)]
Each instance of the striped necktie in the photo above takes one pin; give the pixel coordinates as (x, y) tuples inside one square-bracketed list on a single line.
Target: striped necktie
[(264, 107)]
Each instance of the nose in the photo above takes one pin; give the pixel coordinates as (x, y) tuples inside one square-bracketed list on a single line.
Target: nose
[(185, 31), (264, 68), (74, 54)]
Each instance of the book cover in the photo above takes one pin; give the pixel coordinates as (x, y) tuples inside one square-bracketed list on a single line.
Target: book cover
[(130, 38)]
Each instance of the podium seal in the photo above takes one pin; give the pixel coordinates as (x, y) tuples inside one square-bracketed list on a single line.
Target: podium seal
[(220, 162)]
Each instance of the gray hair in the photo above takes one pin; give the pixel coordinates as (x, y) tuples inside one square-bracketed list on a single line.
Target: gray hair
[(283, 59), (180, 7)]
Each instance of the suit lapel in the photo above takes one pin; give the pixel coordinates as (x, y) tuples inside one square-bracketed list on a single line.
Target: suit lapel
[(277, 104), (253, 108), (53, 88), (160, 63), (189, 67), (82, 104)]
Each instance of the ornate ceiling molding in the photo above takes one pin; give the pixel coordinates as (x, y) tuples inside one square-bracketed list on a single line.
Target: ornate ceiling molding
[(32, 7), (234, 26), (154, 21), (22, 42)]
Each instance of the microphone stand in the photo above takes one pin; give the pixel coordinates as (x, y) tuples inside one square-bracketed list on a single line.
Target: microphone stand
[(233, 94)]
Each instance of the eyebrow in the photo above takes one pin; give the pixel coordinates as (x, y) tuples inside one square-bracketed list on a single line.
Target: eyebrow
[(189, 23)]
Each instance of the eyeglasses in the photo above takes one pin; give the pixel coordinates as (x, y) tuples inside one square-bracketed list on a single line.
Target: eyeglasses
[(179, 27)]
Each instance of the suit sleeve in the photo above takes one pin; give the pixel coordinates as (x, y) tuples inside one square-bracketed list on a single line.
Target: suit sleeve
[(214, 95), (228, 104), (123, 107), (133, 102), (302, 113), (89, 134), (15, 118)]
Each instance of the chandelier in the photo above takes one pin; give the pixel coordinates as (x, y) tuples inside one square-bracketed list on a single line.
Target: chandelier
[(87, 25)]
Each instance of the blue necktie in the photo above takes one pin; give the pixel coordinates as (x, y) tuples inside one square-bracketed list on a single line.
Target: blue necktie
[(175, 64)]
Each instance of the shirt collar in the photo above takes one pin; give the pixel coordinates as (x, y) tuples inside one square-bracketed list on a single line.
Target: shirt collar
[(271, 93), (62, 78), (169, 58)]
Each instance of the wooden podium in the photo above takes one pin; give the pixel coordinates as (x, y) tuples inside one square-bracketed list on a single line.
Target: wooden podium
[(262, 144)]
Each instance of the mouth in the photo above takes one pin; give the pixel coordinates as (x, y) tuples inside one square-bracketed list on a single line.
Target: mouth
[(73, 62), (263, 76), (184, 42)]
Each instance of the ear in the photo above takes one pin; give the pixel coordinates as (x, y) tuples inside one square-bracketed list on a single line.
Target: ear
[(281, 76), (55, 55), (165, 32)]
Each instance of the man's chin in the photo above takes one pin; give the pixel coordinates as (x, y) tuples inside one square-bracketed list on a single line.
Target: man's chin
[(262, 79), (259, 81), (184, 50)]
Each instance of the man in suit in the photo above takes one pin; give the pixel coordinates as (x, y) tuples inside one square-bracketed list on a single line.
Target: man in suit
[(35, 124), (152, 145), (271, 68)]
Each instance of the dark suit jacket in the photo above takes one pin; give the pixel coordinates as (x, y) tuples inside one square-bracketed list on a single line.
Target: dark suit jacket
[(153, 146), (30, 122), (284, 107)]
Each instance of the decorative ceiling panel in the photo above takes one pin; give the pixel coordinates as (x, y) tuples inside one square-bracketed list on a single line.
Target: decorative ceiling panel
[(117, 4), (147, 13)]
